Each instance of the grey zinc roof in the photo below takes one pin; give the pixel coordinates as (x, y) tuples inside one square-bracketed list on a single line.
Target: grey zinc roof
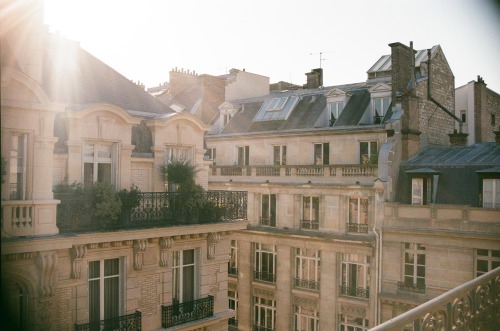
[(354, 109)]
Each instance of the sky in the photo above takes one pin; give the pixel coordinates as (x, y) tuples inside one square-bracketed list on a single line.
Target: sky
[(145, 39)]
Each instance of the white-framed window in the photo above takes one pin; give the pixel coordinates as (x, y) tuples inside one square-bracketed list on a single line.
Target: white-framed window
[(306, 319), (491, 193), (100, 163), (178, 153), (355, 275), (265, 262), (226, 119), (321, 153), (233, 304), (310, 212), (17, 166), (421, 191), (105, 285), (368, 152), (264, 313), (414, 265), (211, 154), (268, 210), (486, 260), (233, 258), (243, 155), (380, 107), (351, 323), (358, 215), (307, 268), (336, 109), (184, 281), (279, 154)]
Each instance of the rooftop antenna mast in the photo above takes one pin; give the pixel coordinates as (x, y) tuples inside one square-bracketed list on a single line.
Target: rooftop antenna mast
[(320, 56)]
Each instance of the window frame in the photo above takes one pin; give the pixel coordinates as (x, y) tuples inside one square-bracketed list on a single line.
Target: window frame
[(263, 309), (211, 154), (492, 260), (369, 157), (305, 262), (232, 264), (311, 212), (346, 323), (305, 319), (360, 265), (18, 179), (178, 269), (385, 103), (335, 110), (279, 155), (183, 153), (358, 223), (413, 255), (321, 153), (265, 261), (232, 297), (494, 202), (269, 202), (96, 160), (243, 155)]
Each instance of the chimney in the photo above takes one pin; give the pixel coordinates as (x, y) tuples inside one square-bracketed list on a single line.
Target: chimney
[(402, 59), (458, 139), (314, 78)]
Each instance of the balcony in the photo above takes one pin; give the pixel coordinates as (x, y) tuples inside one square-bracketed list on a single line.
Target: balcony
[(74, 214), (306, 283), (130, 322), (309, 224), (352, 291), (29, 217), (264, 276), (410, 287), (187, 312), (357, 227), (470, 306)]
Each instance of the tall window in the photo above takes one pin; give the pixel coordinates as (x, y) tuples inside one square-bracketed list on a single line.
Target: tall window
[(421, 191), (268, 210), (380, 107), (350, 323), (16, 301), (233, 259), (183, 276), (265, 262), (368, 152), (17, 166), (358, 215), (355, 275), (105, 293), (310, 213), (99, 163), (486, 260), (211, 154), (335, 111), (306, 319), (226, 119), (307, 268), (279, 155), (414, 267), (243, 155), (322, 153), (264, 314), (233, 304), (491, 193), (178, 153)]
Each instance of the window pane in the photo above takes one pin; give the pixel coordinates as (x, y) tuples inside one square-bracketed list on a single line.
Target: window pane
[(482, 265), (111, 297), (111, 267), (188, 257)]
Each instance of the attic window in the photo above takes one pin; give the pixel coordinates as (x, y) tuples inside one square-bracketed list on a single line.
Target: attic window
[(276, 109), (277, 104)]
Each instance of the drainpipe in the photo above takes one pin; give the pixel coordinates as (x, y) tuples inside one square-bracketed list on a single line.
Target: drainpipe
[(432, 99), (378, 264)]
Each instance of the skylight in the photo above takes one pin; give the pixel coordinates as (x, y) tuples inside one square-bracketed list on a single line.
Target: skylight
[(276, 109)]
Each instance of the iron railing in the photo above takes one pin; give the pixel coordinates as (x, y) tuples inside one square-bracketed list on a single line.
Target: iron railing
[(264, 276), (474, 305), (153, 209), (267, 221), (130, 322), (181, 313), (353, 291), (309, 224), (306, 283), (411, 287), (357, 227), (261, 328)]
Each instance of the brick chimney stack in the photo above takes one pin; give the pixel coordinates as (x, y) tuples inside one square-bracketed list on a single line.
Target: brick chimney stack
[(314, 78), (458, 139)]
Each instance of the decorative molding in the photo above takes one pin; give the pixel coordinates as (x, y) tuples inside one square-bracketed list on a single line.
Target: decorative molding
[(77, 253), (19, 256), (232, 286), (128, 242), (166, 243), (105, 245), (353, 311), (46, 263), (260, 292), (139, 249), (306, 302), (212, 240), (153, 240)]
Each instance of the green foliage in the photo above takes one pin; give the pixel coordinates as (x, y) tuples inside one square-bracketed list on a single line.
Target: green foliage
[(130, 198), (106, 202), (179, 172)]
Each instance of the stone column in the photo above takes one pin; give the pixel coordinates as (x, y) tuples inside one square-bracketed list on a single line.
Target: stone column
[(283, 288)]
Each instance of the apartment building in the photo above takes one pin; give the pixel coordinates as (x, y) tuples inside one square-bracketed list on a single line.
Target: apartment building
[(73, 260)]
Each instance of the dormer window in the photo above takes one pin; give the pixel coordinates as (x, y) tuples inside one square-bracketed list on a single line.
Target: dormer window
[(379, 108), (336, 109), (491, 193), (227, 118), (424, 184)]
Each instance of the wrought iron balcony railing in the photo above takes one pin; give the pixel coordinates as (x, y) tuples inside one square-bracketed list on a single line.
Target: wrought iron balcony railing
[(411, 287), (473, 305), (267, 221), (154, 209), (264, 276), (306, 283), (187, 312), (309, 224), (352, 291), (261, 328), (130, 322), (357, 227)]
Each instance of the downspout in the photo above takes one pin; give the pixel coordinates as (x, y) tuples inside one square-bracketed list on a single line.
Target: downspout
[(435, 101), (378, 266)]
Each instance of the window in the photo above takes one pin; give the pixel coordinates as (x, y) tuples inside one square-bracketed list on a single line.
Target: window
[(233, 259), (335, 111), (233, 304), (243, 155), (491, 193), (486, 260), (226, 118), (16, 299), (178, 153), (493, 120), (307, 268), (276, 109), (264, 262), (355, 275), (99, 163), (310, 218), (322, 153), (380, 107), (17, 166), (183, 276), (463, 116), (306, 319), (414, 267), (211, 154), (368, 152), (264, 314), (421, 191), (105, 289), (268, 210), (279, 156), (350, 323), (358, 215)]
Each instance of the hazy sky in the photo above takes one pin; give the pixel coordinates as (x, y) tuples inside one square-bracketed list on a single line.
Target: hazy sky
[(145, 39)]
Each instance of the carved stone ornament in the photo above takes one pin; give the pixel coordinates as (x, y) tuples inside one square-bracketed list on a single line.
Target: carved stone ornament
[(77, 253), (353, 311), (311, 303), (260, 292), (212, 240), (46, 263), (166, 243), (139, 249)]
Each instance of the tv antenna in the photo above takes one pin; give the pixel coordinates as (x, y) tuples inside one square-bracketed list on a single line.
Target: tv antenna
[(321, 56)]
